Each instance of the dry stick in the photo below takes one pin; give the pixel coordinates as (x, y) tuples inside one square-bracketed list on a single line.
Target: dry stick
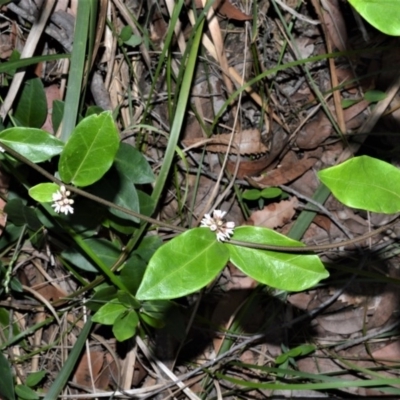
[(332, 68), (28, 51), (166, 370)]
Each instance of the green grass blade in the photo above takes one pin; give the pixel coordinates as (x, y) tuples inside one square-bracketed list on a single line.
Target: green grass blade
[(70, 364), (73, 96), (26, 62), (306, 216), (179, 114)]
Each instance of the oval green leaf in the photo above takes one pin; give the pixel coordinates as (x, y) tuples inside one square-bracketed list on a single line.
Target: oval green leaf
[(285, 271), (116, 188), (125, 325), (31, 105), (184, 265), (20, 214), (365, 183), (90, 150), (107, 251), (7, 382), (34, 378), (26, 393), (131, 163), (251, 194), (34, 144), (381, 14), (43, 192), (271, 192), (374, 95), (108, 313)]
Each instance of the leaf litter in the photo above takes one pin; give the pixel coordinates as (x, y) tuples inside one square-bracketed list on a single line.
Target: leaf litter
[(279, 131)]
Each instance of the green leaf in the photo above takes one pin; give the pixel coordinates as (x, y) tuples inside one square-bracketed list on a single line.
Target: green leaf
[(127, 299), (374, 96), (366, 183), (381, 14), (6, 67), (7, 383), (251, 194), (5, 324), (291, 272), (33, 379), (151, 321), (31, 106), (26, 393), (295, 352), (184, 265), (43, 192), (34, 144), (126, 33), (103, 248), (108, 313), (90, 151), (131, 163), (134, 41), (21, 214), (93, 110), (103, 294), (271, 192), (146, 202), (125, 196), (133, 272), (10, 235), (125, 325), (117, 189), (346, 103), (57, 114)]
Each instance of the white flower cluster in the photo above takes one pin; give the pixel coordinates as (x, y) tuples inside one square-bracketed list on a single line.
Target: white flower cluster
[(62, 204), (216, 223)]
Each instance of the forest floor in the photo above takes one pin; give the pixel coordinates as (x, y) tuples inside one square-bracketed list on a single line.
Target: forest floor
[(257, 158)]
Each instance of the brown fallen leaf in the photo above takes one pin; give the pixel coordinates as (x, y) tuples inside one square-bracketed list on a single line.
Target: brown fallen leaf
[(287, 172), (249, 167), (254, 167), (389, 353), (275, 215), (227, 9), (335, 24), (314, 133), (83, 374), (248, 142)]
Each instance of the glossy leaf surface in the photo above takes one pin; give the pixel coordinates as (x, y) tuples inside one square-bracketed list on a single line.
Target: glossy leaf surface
[(366, 183), (34, 144), (285, 271), (43, 192), (384, 15), (184, 265), (31, 107), (90, 151), (108, 313), (125, 325), (131, 163)]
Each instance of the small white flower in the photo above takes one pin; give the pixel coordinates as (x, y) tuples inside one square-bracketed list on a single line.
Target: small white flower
[(62, 204), (223, 229), (2, 150)]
